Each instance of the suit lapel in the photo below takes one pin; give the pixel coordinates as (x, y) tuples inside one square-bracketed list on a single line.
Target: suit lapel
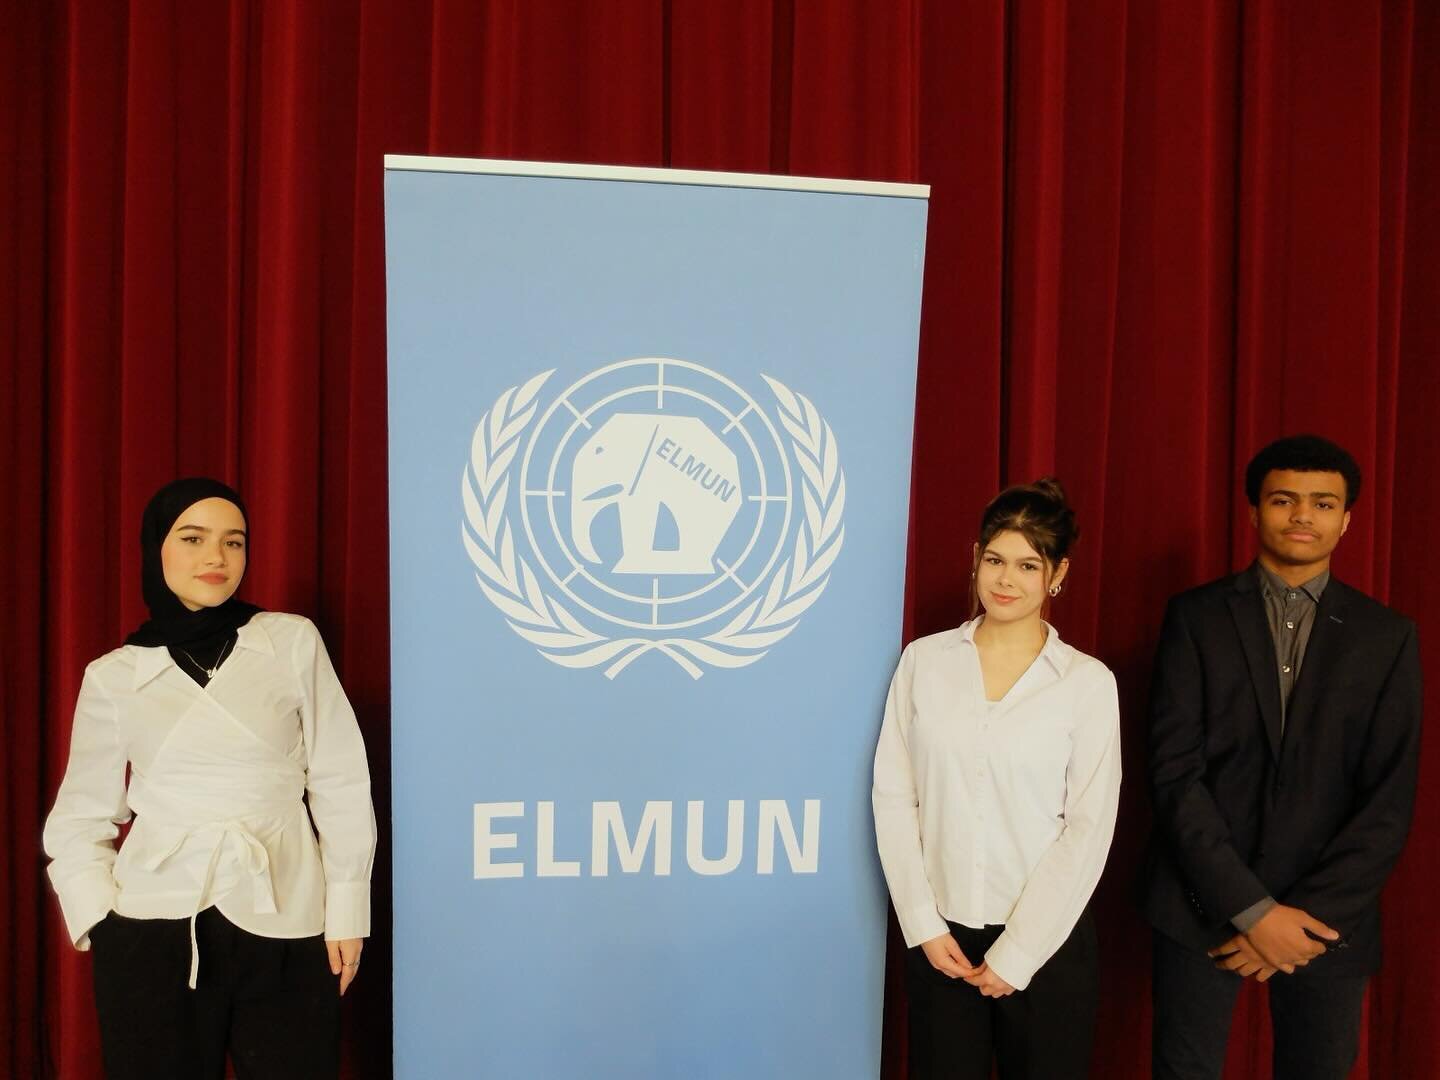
[(1322, 653), (1249, 614)]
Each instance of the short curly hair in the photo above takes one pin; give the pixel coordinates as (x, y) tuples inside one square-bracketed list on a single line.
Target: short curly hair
[(1302, 453)]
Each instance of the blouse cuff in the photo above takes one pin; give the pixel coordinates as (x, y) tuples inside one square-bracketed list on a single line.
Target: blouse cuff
[(919, 925), (347, 910), (1011, 962)]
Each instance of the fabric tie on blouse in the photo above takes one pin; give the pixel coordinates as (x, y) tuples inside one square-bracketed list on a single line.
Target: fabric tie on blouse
[(249, 854), (216, 800)]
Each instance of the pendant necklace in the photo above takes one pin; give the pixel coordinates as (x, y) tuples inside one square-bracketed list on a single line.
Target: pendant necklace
[(209, 672)]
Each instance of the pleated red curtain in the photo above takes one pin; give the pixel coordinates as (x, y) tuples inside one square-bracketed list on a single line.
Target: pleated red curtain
[(1160, 235)]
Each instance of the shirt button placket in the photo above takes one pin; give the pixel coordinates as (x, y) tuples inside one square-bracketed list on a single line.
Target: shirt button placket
[(977, 891)]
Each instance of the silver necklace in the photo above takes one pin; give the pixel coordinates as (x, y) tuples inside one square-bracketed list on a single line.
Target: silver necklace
[(209, 672)]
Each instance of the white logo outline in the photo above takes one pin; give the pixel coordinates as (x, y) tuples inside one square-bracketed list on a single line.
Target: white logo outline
[(508, 581), (580, 418)]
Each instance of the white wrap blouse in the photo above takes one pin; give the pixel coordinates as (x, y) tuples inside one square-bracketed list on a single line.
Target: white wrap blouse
[(217, 778)]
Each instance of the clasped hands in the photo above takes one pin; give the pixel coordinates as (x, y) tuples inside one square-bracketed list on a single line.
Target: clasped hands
[(1283, 939), (945, 956)]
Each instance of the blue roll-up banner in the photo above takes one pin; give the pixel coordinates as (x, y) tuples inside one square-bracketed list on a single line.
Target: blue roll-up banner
[(650, 439)]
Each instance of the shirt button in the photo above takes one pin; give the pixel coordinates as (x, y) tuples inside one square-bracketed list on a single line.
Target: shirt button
[(1286, 669), (1294, 596), (1290, 626)]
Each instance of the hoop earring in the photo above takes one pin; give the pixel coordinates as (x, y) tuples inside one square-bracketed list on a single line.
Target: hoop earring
[(1054, 590)]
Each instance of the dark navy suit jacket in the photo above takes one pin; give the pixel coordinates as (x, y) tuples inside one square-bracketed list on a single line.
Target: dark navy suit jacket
[(1314, 817)]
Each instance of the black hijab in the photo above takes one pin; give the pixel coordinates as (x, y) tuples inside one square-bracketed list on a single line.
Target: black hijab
[(171, 623)]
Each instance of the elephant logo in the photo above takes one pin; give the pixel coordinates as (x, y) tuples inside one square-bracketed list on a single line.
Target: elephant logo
[(652, 506), (652, 465)]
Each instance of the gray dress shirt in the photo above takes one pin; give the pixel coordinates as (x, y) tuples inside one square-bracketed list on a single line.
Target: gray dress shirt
[(1290, 611)]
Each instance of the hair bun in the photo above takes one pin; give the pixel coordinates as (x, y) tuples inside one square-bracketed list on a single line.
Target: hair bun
[(1040, 512), (1051, 488)]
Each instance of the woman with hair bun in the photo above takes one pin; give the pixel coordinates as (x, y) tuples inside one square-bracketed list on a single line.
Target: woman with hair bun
[(997, 778), (232, 917)]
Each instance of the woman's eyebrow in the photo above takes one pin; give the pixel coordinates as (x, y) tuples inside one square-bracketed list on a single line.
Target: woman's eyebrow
[(203, 529), (1018, 558)]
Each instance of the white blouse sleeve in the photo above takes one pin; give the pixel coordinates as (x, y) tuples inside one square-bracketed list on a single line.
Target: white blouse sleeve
[(1061, 884), (81, 829), (897, 815), (338, 790)]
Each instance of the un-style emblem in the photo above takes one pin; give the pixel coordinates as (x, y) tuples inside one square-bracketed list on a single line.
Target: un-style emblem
[(652, 505)]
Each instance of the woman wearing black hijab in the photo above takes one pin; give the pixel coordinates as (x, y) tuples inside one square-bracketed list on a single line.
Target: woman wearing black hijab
[(221, 925)]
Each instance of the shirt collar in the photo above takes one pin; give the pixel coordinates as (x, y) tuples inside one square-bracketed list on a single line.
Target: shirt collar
[(1271, 584), (151, 661), (1055, 652), (253, 636), (156, 658)]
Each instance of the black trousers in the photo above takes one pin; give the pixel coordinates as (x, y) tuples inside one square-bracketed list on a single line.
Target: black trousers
[(1315, 1018), (271, 1003), (1043, 1032)]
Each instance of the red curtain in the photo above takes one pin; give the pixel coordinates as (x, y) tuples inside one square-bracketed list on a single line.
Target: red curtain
[(1161, 234)]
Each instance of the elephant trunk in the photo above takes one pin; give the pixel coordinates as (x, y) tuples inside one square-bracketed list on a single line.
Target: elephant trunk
[(582, 516)]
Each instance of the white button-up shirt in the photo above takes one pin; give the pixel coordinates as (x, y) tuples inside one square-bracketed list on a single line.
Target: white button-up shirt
[(996, 813), (217, 774)]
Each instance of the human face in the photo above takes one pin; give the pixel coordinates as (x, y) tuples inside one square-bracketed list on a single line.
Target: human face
[(203, 555), (1011, 578), (1300, 519)]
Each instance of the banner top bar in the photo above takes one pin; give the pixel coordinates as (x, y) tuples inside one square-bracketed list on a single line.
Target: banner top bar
[(560, 170)]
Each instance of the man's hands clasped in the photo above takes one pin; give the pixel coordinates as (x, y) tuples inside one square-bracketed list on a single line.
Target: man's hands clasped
[(946, 957), (1284, 938)]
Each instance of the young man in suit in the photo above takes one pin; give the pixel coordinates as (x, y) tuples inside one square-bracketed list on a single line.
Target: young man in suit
[(1284, 734)]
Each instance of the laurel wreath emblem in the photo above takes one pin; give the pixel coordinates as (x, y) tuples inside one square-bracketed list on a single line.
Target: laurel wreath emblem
[(511, 585)]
